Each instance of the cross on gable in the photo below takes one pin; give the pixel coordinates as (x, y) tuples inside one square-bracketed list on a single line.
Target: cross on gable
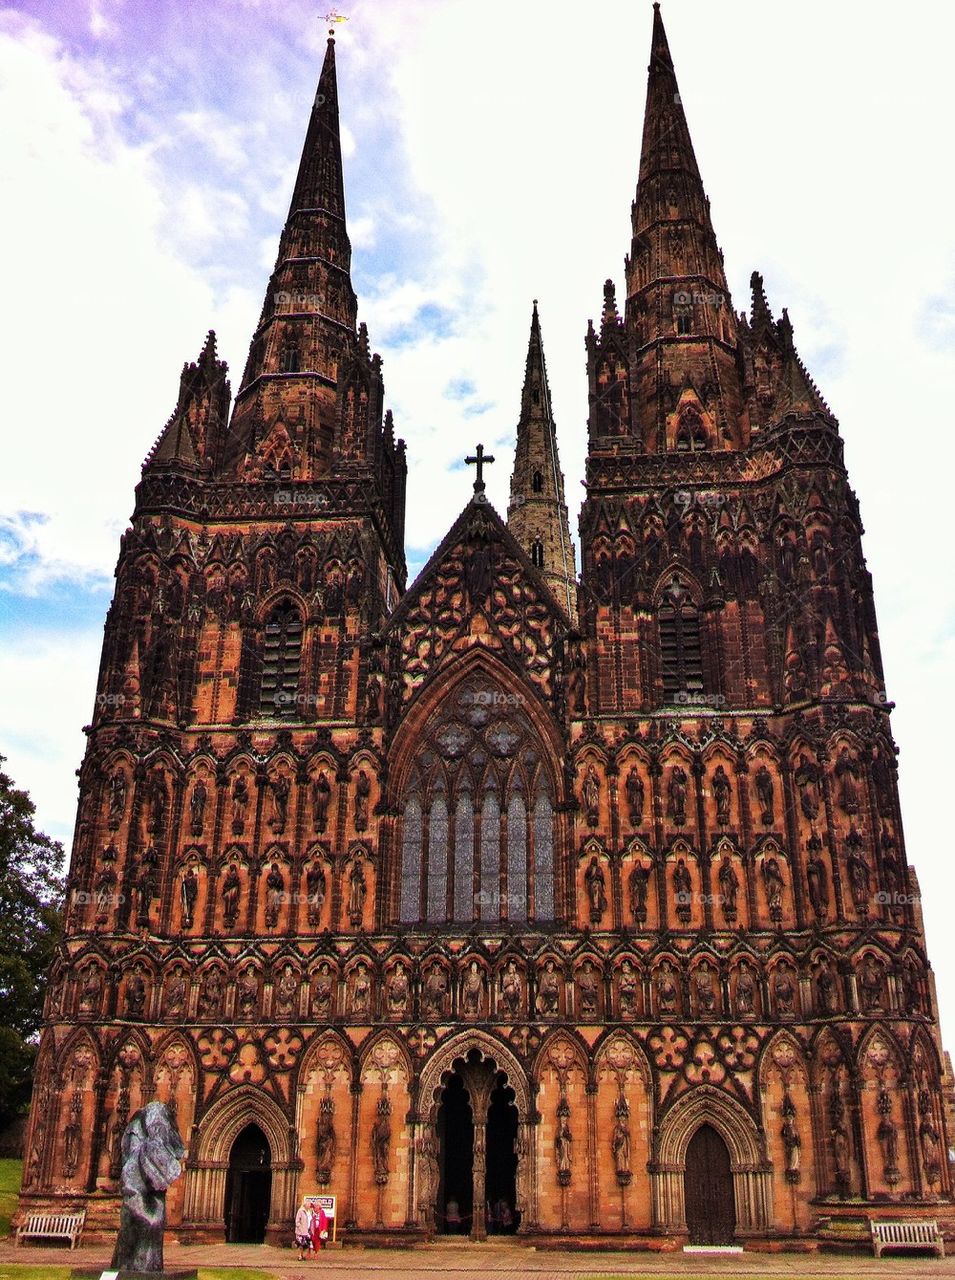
[(480, 461)]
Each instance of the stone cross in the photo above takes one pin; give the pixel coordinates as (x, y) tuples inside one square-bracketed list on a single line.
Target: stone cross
[(480, 461)]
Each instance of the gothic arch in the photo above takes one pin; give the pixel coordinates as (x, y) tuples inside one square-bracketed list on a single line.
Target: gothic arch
[(458, 1046)]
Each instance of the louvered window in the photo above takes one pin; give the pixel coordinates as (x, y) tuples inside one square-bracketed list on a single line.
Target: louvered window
[(681, 655), (281, 662)]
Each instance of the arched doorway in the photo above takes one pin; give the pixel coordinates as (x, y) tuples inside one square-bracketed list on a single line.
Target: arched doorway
[(708, 1189), (248, 1191), (476, 1130)]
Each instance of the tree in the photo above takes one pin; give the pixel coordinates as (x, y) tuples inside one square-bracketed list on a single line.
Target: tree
[(31, 913)]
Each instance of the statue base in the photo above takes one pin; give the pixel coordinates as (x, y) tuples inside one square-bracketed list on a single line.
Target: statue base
[(97, 1273)]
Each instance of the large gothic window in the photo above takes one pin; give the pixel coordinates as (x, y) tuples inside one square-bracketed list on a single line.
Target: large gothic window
[(681, 655), (281, 662), (477, 823)]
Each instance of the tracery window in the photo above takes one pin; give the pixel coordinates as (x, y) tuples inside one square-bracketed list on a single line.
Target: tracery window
[(537, 553), (681, 654), (281, 661), (691, 436), (477, 822)]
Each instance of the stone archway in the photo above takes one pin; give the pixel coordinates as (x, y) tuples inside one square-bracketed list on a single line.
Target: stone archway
[(478, 1059), (751, 1170), (208, 1165)]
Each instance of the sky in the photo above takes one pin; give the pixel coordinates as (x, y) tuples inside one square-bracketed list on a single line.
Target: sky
[(146, 164)]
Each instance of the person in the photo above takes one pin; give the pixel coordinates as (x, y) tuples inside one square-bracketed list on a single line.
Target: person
[(303, 1227), (318, 1230), (452, 1216)]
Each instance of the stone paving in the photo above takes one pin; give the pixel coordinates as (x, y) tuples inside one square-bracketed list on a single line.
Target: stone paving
[(463, 1260)]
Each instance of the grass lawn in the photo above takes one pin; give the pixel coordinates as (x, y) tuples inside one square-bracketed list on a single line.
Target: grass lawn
[(10, 1173)]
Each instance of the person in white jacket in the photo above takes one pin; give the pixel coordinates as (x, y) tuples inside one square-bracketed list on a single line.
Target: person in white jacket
[(303, 1223)]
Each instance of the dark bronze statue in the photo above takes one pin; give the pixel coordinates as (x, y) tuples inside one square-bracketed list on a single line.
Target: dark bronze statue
[(152, 1153)]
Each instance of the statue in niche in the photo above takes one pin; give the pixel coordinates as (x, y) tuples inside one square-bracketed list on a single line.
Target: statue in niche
[(211, 995), (847, 772), (931, 1150), (176, 993), (639, 885), (722, 793), (472, 990), (321, 794), (247, 989), (596, 883), (152, 1153), (361, 992), (188, 895), (117, 799), (73, 1136), (588, 986), (807, 780), (871, 983), (774, 885), (281, 790), (147, 885), (563, 1144), (817, 877), (373, 699), (729, 888), (136, 994), (791, 1140), (576, 686), (676, 796), (157, 806), (590, 792), (860, 879), (635, 797), (197, 806), (784, 991), (381, 1140), (274, 895), (668, 993), (357, 893), (399, 991), (745, 1001), (286, 990), (765, 793), (325, 1141), (882, 779), (231, 889), (888, 1136), (628, 986), (362, 794), (911, 990), (620, 1142), (839, 1143), (240, 803), (315, 889), (512, 988), (104, 893), (825, 991), (682, 891), (322, 993), (435, 991), (548, 991), (705, 994)]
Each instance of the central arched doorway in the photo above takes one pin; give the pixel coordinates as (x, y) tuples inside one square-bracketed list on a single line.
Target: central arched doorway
[(248, 1191), (708, 1189), (476, 1130)]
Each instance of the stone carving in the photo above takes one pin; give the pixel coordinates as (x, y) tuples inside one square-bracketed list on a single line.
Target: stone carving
[(321, 794), (784, 991), (281, 789), (472, 991), (596, 883), (176, 993), (316, 888), (322, 992), (825, 991), (774, 885), (872, 984), (156, 805), (765, 794), (361, 993), (512, 989), (286, 991), (197, 807), (147, 885), (247, 990), (676, 796), (888, 1136), (435, 993), (745, 1002), (381, 1140), (817, 878), (791, 1140), (211, 995), (136, 993), (240, 804), (639, 885), (116, 793), (548, 991), (847, 772), (152, 1153), (399, 991), (362, 794), (628, 986), (274, 895), (563, 1144), (73, 1135), (682, 891), (357, 893), (729, 888), (635, 797), (188, 894), (705, 993), (807, 780), (668, 993), (590, 793), (104, 892), (231, 889), (620, 1141), (325, 1141), (722, 794), (91, 991), (588, 987), (860, 879)]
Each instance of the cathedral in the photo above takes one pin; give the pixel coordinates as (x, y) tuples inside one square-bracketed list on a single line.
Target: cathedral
[(521, 900)]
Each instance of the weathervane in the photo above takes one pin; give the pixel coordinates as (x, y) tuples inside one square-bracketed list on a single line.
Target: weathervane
[(334, 16), (480, 461)]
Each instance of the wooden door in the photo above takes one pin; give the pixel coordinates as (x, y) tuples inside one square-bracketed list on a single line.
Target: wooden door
[(708, 1189)]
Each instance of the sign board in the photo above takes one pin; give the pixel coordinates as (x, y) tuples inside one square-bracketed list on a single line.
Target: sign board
[(328, 1204)]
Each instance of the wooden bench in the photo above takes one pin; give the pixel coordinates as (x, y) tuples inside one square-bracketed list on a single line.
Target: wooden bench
[(52, 1226), (902, 1234)]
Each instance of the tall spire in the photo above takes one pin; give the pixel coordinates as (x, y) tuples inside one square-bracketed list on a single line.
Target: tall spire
[(320, 183), (537, 511)]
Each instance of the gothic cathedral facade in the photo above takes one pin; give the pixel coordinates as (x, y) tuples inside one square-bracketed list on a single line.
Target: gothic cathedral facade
[(513, 900)]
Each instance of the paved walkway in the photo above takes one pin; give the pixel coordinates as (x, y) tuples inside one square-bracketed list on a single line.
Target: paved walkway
[(463, 1260)]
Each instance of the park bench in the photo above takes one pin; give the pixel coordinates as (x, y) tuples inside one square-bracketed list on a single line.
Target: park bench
[(906, 1235), (52, 1226)]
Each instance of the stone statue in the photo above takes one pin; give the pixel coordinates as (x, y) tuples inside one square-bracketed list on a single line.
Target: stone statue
[(638, 884), (563, 1145), (729, 888), (240, 804), (398, 991), (315, 890), (322, 993), (210, 995), (859, 880), (357, 893), (765, 794), (590, 792), (620, 1142), (807, 780), (587, 985), (682, 891), (231, 888), (511, 988), (705, 995), (117, 798), (668, 994), (152, 1153), (825, 991), (472, 990), (321, 793), (281, 790), (676, 796), (381, 1140), (629, 988), (791, 1140), (596, 889), (135, 995), (722, 793), (286, 990), (847, 771), (817, 877), (197, 806), (634, 789), (147, 884), (248, 992), (548, 991), (745, 992), (773, 882), (176, 993), (361, 992), (274, 895), (435, 991), (325, 1141), (784, 990), (362, 793), (372, 698), (188, 893), (871, 981)]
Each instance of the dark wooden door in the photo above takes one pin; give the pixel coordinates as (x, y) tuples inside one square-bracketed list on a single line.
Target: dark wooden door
[(708, 1188)]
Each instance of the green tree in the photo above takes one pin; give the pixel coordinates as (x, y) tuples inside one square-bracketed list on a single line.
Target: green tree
[(31, 897)]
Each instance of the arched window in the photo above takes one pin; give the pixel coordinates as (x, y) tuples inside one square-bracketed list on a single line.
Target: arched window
[(536, 395), (537, 553), (691, 434), (684, 322), (281, 662), (289, 359), (681, 656), (477, 828), (537, 482)]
